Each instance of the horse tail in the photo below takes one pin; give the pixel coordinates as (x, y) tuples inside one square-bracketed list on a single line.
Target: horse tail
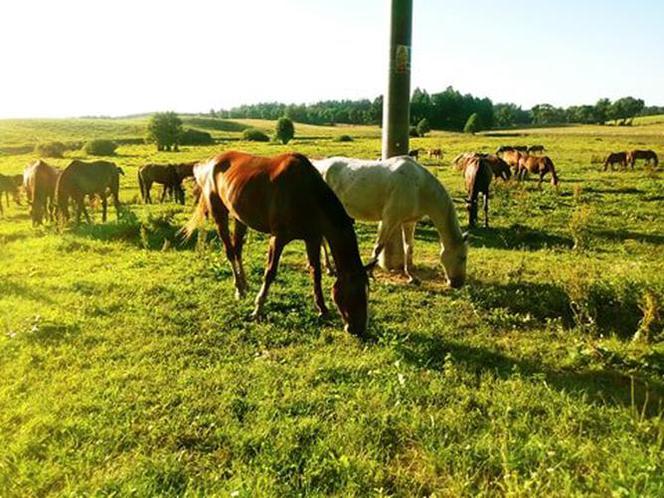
[(198, 216)]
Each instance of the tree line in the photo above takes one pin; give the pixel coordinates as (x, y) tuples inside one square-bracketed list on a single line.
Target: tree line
[(447, 110)]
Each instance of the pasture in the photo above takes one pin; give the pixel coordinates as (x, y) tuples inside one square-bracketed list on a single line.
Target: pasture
[(128, 368)]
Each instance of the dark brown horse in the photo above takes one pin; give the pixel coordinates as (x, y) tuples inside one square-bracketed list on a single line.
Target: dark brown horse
[(535, 149), (649, 156), (540, 165), (286, 197), (8, 186), (616, 158), (80, 179), (478, 175), (40, 181), (499, 167), (164, 174)]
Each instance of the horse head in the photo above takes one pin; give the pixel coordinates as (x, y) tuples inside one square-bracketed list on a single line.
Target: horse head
[(454, 260), (350, 293)]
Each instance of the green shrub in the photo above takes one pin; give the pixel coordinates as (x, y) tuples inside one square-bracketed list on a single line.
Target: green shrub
[(473, 124), (165, 129), (255, 135), (100, 147), (285, 130), (412, 132), (51, 149), (343, 138), (191, 136), (423, 127)]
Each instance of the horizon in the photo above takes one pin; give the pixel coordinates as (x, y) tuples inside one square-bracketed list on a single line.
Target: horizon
[(574, 58)]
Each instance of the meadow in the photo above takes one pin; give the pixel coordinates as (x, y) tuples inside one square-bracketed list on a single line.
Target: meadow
[(128, 369)]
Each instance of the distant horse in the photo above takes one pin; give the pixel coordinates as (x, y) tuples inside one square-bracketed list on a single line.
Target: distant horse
[(540, 165), (164, 174), (478, 175), (414, 153), (648, 155), (285, 197), (499, 167), (616, 158), (435, 154), (8, 186), (39, 180), (80, 179), (398, 192), (183, 171), (535, 149), (513, 158)]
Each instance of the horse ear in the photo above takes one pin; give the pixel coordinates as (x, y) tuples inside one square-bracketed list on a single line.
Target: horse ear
[(465, 236)]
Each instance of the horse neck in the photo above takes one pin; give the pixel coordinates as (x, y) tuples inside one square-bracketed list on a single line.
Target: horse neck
[(440, 208)]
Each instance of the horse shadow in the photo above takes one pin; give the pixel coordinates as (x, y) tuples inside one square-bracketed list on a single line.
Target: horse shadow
[(623, 235), (517, 236), (602, 387), (9, 287)]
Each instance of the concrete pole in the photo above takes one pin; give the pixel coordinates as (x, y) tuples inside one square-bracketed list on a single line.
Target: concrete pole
[(396, 107)]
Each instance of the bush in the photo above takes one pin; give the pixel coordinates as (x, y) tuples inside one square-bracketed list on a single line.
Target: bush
[(473, 124), (191, 136), (51, 149), (423, 127), (412, 132), (255, 135), (343, 138), (100, 147), (285, 130)]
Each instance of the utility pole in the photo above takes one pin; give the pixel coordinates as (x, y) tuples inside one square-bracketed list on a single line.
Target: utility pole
[(396, 107)]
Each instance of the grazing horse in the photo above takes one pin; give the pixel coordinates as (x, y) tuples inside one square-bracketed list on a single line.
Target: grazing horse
[(80, 179), (398, 192), (414, 153), (648, 155), (435, 154), (8, 186), (285, 197), (540, 165), (164, 174), (616, 158), (477, 174), (513, 158), (39, 180), (535, 148)]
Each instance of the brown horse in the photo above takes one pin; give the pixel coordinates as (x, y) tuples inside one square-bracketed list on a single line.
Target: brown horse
[(616, 158), (40, 180), (8, 186), (499, 167), (540, 165), (535, 149), (80, 179), (164, 174), (435, 154), (648, 155), (286, 197), (478, 175), (513, 157)]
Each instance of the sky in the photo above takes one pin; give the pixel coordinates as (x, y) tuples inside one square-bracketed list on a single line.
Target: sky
[(99, 57)]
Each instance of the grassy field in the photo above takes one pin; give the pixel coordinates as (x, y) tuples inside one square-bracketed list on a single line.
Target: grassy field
[(129, 369)]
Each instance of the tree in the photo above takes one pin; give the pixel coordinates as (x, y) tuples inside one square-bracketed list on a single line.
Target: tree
[(285, 130), (165, 129), (473, 124), (603, 110), (626, 108), (423, 127)]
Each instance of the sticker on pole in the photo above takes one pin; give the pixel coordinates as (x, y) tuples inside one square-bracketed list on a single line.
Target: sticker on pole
[(402, 59)]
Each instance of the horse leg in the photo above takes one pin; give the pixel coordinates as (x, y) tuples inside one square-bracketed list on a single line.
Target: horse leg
[(328, 264), (220, 216), (238, 244), (386, 229), (85, 210), (313, 255), (408, 234), (148, 187), (274, 253), (104, 207), (486, 209)]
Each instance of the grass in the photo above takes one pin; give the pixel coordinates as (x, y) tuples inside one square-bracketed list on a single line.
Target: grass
[(129, 369)]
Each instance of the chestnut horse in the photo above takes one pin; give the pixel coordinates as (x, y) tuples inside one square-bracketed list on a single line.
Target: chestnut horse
[(39, 180), (285, 197), (478, 175), (616, 158), (513, 157), (499, 167), (80, 179), (540, 165), (648, 155)]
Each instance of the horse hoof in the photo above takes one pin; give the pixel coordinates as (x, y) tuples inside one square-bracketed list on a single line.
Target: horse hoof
[(414, 281)]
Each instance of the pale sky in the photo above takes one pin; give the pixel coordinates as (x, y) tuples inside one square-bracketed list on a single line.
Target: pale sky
[(92, 57)]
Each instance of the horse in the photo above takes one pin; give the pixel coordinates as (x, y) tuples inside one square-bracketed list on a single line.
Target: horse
[(80, 179), (513, 157), (398, 192), (540, 165), (535, 148), (478, 175), (414, 153), (616, 158), (8, 186), (39, 180), (435, 154), (165, 174), (499, 167), (285, 197), (648, 155)]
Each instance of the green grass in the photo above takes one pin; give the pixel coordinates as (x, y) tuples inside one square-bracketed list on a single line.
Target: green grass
[(129, 369)]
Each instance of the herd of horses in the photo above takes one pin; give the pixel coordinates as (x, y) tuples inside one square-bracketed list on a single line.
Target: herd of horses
[(629, 158), (291, 197)]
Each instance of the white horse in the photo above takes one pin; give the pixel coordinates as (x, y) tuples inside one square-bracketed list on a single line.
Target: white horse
[(398, 192)]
